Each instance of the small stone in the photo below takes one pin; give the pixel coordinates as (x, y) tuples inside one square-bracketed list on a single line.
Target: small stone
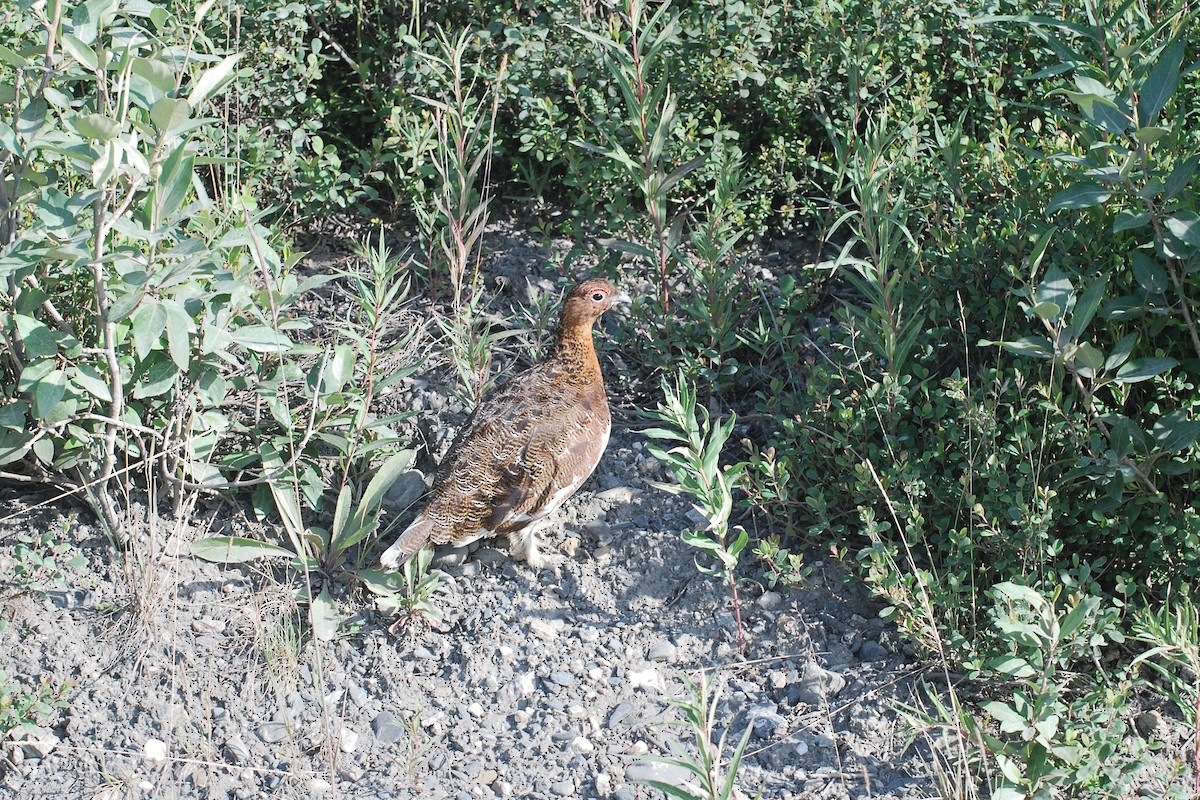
[(235, 750), (643, 771), (603, 784), (766, 719), (817, 685), (502, 788), (208, 626), (563, 788), (623, 714), (388, 728), (36, 743), (406, 490), (154, 751), (449, 559), (348, 742), (272, 732), (547, 630), (319, 786), (589, 635), (618, 494), (358, 695), (581, 744), (562, 678), (648, 678), (769, 600), (873, 651), (570, 546), (662, 651), (801, 748)]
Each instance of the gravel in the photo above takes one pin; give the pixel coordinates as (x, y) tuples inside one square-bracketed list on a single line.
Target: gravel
[(192, 678)]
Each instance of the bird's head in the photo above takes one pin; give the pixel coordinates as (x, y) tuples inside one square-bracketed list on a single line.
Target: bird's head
[(589, 300)]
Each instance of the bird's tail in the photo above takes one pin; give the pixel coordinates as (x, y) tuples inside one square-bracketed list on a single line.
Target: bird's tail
[(415, 537)]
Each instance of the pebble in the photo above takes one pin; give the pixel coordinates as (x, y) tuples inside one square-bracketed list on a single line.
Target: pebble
[(581, 744), (565, 788), (662, 651), (348, 741), (319, 786), (563, 678), (272, 732), (873, 651), (816, 684), (358, 695), (647, 678), (38, 742), (207, 626), (642, 771), (769, 600), (235, 749), (154, 751), (388, 728)]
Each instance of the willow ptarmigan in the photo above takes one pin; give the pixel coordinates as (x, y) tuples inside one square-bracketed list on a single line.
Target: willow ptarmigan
[(526, 448)]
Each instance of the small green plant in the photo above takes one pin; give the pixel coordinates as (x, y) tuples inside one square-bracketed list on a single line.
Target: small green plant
[(696, 469), (632, 52), (22, 706), (784, 568), (1173, 631), (1056, 728), (716, 778), (41, 558), (415, 593)]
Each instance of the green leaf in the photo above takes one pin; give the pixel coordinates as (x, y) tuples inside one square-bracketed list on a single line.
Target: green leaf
[(1150, 275), (1121, 352), (148, 323), (261, 339), (1086, 304), (47, 392), (1140, 369), (1089, 358), (178, 341), (1010, 721), (156, 73), (1127, 220), (169, 113), (1055, 288), (324, 616), (1185, 226), (383, 479), (1047, 311), (12, 58), (236, 550), (1081, 195), (1160, 83), (37, 339), (1180, 176), (1012, 665), (212, 80), (95, 126), (1174, 432), (89, 379)]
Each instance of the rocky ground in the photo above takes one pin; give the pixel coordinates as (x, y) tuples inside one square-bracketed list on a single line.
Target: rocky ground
[(183, 678)]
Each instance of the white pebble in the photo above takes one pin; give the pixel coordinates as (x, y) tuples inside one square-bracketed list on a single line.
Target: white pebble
[(580, 744), (349, 741), (319, 786), (475, 710), (155, 751)]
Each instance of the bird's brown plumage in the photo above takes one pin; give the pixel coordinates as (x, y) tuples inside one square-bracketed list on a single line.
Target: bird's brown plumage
[(525, 449)]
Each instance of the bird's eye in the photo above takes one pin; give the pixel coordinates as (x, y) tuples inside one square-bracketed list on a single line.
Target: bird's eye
[(597, 297)]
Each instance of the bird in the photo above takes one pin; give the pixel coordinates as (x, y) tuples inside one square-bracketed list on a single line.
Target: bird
[(526, 448)]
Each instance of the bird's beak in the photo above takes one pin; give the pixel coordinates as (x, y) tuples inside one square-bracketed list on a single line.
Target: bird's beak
[(623, 298)]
